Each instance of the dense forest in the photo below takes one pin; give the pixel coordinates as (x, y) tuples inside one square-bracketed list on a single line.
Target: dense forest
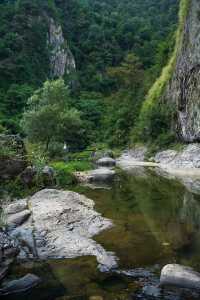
[(119, 48)]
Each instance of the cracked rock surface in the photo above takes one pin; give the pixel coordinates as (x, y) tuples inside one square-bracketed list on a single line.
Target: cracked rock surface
[(60, 224)]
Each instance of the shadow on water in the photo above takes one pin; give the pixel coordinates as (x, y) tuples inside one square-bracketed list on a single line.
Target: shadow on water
[(156, 221)]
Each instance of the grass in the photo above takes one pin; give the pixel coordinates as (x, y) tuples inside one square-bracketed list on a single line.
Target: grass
[(72, 166), (64, 171)]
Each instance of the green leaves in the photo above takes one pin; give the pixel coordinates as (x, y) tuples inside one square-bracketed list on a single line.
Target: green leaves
[(49, 116)]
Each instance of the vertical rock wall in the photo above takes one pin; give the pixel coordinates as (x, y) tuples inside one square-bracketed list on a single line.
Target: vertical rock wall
[(184, 88), (61, 59)]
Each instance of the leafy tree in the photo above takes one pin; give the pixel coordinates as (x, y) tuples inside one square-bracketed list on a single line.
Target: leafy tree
[(49, 116), (123, 105)]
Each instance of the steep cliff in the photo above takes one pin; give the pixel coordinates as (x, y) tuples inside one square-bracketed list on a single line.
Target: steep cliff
[(184, 88), (61, 59)]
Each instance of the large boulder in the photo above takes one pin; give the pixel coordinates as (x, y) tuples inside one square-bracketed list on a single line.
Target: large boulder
[(12, 156), (106, 162), (63, 224), (101, 175), (180, 276)]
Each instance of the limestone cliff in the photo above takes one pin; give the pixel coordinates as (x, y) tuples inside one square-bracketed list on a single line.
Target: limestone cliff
[(184, 88), (61, 59)]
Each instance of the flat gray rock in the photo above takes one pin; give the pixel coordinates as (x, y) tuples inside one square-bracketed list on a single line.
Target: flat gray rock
[(62, 225), (20, 285), (180, 276)]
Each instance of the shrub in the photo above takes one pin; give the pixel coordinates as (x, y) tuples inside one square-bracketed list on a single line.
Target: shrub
[(64, 174)]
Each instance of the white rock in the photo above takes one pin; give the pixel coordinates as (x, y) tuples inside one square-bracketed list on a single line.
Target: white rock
[(64, 224), (180, 276)]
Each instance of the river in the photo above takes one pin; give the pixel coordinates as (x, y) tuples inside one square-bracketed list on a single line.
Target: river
[(156, 222)]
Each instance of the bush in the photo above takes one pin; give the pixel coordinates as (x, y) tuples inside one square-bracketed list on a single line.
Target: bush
[(64, 174)]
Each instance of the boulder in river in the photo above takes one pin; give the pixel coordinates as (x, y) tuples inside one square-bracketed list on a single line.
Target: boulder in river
[(180, 276), (63, 223), (106, 162), (101, 175), (20, 285)]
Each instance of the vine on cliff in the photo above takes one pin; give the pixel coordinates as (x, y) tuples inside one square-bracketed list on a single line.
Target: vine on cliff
[(148, 124)]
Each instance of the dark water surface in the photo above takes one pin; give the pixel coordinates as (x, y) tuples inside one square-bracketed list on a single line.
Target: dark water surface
[(157, 221)]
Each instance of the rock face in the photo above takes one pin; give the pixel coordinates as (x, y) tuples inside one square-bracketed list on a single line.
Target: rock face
[(61, 59), (12, 156), (8, 251), (189, 157), (8, 247), (180, 276), (61, 225), (184, 88), (165, 157)]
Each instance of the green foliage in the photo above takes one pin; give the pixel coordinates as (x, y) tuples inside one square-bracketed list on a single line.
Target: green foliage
[(72, 166), (49, 116), (92, 109), (110, 83), (101, 33), (123, 105), (152, 105), (64, 172)]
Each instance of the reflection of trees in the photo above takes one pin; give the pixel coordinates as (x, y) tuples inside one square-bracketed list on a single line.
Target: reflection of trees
[(160, 201), (149, 212), (190, 211)]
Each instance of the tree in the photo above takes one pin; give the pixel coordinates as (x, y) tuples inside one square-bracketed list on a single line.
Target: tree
[(50, 117), (128, 74), (123, 105)]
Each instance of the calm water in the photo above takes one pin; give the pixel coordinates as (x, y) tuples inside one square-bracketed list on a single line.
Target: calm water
[(156, 222)]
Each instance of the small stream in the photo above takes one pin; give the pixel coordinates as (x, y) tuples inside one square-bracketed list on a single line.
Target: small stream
[(157, 221)]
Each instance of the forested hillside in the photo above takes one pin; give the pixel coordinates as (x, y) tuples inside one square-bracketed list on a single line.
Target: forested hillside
[(119, 49)]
